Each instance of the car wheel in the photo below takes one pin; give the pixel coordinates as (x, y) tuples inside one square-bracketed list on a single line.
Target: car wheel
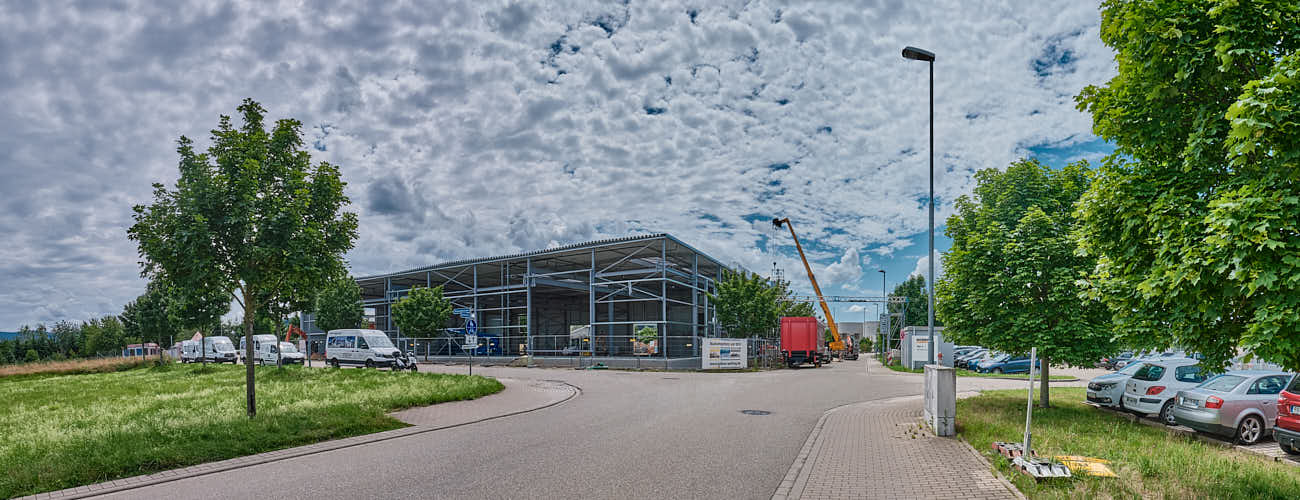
[(997, 371), (414, 368), (1167, 413), (1250, 430), (334, 362), (370, 363)]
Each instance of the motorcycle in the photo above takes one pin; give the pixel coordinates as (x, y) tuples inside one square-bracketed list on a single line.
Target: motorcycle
[(404, 361)]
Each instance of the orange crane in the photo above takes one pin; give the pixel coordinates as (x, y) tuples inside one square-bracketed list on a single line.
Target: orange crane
[(838, 343)]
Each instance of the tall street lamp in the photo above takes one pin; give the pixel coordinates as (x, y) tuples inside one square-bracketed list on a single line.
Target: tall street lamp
[(916, 54), (885, 292)]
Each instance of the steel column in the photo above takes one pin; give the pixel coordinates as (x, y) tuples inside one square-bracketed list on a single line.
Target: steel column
[(663, 296)]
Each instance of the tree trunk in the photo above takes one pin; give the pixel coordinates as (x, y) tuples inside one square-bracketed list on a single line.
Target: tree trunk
[(249, 309), (1044, 401)]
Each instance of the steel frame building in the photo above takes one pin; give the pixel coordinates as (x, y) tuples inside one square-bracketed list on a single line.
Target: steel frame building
[(580, 299)]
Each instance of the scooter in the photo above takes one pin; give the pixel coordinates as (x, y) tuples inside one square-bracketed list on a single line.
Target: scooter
[(404, 361)]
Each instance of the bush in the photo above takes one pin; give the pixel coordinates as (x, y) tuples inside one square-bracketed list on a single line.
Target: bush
[(32, 356)]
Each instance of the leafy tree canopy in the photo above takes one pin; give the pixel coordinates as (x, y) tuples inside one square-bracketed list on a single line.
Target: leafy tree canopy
[(422, 313), (339, 305), (751, 305), (1010, 277), (917, 302), (1193, 220), (252, 218)]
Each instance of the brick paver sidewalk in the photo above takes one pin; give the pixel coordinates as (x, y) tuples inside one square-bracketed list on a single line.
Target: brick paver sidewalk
[(879, 449)]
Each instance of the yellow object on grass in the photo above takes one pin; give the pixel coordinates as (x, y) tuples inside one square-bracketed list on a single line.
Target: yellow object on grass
[(1086, 465)]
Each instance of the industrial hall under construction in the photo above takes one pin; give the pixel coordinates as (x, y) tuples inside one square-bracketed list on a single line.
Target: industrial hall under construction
[(636, 297)]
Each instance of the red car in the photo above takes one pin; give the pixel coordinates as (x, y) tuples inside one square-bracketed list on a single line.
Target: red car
[(1287, 429)]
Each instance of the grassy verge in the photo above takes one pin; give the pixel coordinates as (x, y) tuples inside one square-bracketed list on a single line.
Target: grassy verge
[(76, 366), (59, 431), (968, 373), (1150, 462)]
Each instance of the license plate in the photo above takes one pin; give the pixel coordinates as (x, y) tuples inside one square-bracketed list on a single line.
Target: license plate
[(1295, 410), (1092, 394)]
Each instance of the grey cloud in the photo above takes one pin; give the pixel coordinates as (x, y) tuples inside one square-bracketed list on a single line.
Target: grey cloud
[(512, 20), (458, 136)]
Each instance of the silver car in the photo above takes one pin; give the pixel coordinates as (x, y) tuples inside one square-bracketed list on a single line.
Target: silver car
[(1240, 404), (1108, 389)]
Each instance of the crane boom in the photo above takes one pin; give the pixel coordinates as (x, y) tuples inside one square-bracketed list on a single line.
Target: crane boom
[(838, 343)]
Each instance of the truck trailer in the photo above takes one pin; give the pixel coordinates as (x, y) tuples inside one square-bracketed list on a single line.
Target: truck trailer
[(801, 341)]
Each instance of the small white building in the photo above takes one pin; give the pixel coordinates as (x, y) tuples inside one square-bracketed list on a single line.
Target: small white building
[(916, 347)]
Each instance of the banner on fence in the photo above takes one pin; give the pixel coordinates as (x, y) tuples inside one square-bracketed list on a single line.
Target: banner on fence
[(721, 354)]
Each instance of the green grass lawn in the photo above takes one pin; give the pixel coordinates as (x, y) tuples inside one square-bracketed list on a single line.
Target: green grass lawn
[(1150, 462), (968, 373), (59, 431)]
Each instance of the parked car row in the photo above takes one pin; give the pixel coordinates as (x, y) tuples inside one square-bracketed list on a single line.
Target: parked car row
[(984, 360), (1245, 405)]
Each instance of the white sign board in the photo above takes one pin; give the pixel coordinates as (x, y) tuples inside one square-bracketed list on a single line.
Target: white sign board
[(471, 342), (722, 354), (920, 348)]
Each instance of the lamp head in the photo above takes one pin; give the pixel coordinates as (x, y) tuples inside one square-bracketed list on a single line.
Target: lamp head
[(778, 222), (911, 52)]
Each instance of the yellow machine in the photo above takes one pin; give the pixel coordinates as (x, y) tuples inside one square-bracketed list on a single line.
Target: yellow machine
[(838, 343)]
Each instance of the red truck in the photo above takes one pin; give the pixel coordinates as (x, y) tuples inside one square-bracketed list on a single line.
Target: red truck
[(801, 342)]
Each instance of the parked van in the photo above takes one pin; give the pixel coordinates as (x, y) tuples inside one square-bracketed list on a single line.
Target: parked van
[(219, 350), (370, 348), (190, 352), (267, 350)]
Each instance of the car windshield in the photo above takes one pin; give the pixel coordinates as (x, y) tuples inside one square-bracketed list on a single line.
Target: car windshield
[(378, 341), (1222, 383), (1130, 369), (287, 347), (222, 345), (1001, 358)]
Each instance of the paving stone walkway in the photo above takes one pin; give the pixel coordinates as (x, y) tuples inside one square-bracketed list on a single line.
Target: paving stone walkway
[(879, 449)]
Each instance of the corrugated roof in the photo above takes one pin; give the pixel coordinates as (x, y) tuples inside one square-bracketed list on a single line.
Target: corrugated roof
[(533, 253)]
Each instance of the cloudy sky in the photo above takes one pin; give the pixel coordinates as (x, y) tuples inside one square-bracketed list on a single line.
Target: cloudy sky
[(485, 127)]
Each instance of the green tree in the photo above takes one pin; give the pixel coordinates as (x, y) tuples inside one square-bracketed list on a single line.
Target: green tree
[(1193, 220), (913, 288), (1010, 278), (422, 313), (151, 316), (32, 356), (251, 218), (67, 337), (339, 305), (747, 304)]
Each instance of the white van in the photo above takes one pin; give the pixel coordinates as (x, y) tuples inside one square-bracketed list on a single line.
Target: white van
[(219, 350), (370, 348), (190, 352), (267, 350)]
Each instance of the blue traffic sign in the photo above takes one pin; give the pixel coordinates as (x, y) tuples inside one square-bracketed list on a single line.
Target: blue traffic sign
[(471, 327), (464, 312)]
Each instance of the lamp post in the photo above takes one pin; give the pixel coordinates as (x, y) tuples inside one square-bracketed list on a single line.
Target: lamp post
[(886, 330), (916, 54)]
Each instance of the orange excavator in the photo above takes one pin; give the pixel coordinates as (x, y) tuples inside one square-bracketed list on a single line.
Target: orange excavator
[(294, 330), (837, 345)]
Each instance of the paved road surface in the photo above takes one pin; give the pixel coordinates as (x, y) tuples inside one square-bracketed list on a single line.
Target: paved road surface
[(628, 434)]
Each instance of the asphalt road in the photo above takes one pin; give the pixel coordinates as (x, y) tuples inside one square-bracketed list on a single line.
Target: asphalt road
[(628, 435)]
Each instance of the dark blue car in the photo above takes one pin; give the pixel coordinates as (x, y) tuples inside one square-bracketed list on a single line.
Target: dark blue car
[(1007, 363)]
